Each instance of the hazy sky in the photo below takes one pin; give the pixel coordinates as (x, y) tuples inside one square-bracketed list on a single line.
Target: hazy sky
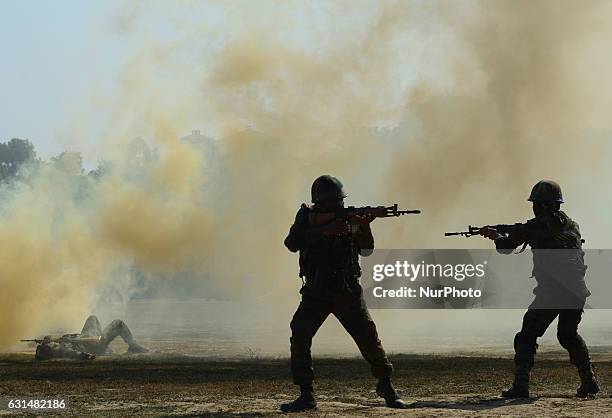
[(52, 51), (63, 63)]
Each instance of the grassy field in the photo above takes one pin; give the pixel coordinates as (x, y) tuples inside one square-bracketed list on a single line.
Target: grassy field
[(153, 385)]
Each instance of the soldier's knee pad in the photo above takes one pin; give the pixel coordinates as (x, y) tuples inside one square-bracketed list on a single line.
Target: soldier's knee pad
[(117, 323), (523, 339), (296, 327), (300, 332), (300, 344), (369, 331), (303, 326), (570, 340)]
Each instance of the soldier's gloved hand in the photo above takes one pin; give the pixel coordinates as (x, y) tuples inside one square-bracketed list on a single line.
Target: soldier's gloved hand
[(337, 228), (87, 356), (364, 219), (490, 233)]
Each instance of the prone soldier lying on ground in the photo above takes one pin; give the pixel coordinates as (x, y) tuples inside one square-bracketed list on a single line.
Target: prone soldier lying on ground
[(92, 341)]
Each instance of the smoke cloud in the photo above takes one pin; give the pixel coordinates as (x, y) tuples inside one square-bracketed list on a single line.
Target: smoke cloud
[(455, 108)]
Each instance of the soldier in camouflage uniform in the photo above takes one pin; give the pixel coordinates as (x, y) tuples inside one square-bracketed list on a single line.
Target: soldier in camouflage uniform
[(329, 265), (561, 291), (96, 342)]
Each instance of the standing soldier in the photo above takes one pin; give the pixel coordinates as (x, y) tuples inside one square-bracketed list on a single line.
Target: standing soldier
[(329, 266), (560, 293)]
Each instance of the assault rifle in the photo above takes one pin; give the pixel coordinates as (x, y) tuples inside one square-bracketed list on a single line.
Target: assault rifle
[(475, 230), (67, 338), (349, 212)]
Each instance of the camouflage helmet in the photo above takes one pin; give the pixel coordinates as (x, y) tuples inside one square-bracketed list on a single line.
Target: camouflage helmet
[(546, 191), (326, 187), (43, 352)]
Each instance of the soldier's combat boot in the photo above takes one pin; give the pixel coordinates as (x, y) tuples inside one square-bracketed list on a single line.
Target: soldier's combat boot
[(520, 386), (588, 382), (304, 402), (385, 389)]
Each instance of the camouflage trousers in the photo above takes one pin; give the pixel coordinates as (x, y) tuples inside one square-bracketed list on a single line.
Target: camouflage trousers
[(354, 317), (535, 323), (116, 328)]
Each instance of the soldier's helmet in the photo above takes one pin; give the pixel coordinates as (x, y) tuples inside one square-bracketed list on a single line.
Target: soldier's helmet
[(326, 188), (43, 352), (546, 191)]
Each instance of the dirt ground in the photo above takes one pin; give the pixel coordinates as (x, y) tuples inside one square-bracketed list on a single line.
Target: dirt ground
[(161, 385)]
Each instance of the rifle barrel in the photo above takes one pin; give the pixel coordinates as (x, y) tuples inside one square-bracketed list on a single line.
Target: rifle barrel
[(400, 212), (465, 234)]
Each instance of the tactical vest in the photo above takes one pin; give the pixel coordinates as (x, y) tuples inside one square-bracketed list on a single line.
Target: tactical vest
[(555, 231), (558, 258), (331, 266)]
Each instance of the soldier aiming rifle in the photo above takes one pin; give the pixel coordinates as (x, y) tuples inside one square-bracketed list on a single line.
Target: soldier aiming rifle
[(330, 238), (558, 267)]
